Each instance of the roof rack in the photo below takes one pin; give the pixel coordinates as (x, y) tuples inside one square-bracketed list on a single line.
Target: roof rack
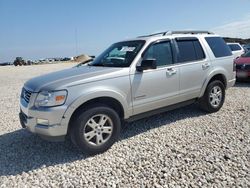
[(154, 34), (189, 32), (177, 32)]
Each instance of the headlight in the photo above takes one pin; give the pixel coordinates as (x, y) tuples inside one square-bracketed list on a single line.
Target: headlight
[(51, 98)]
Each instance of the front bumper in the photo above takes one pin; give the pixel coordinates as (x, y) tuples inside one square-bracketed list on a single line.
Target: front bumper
[(243, 74), (54, 131)]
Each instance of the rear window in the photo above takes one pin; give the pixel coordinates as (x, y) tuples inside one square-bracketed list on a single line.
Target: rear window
[(234, 47), (189, 50), (218, 46)]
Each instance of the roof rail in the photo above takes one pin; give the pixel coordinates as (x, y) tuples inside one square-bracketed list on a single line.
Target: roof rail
[(177, 32), (154, 34), (189, 32)]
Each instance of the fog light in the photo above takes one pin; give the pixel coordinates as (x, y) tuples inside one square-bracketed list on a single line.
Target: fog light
[(43, 121)]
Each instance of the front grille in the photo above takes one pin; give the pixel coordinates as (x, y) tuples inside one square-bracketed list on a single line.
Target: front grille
[(247, 67), (26, 95), (243, 67), (238, 66)]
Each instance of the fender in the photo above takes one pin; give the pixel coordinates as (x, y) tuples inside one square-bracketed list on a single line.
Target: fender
[(92, 94), (211, 74)]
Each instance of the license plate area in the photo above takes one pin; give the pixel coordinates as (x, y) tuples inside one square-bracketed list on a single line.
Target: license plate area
[(241, 74)]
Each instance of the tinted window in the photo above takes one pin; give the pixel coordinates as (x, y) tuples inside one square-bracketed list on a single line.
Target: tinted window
[(189, 50), (218, 46), (198, 49), (162, 52), (234, 47)]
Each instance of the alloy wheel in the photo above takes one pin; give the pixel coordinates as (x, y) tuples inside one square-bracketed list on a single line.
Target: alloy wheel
[(215, 96), (98, 129)]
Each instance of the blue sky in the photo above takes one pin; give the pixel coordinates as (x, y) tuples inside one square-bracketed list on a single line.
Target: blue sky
[(37, 29)]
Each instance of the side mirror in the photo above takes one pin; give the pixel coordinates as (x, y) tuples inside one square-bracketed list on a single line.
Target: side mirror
[(146, 64)]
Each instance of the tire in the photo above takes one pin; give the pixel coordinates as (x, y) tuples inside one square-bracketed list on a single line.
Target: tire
[(212, 103), (96, 129)]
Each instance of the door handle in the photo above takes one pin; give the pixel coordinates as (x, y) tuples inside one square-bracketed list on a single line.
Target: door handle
[(171, 71), (205, 66)]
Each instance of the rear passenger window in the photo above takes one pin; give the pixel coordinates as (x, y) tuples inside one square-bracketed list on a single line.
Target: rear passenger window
[(189, 50), (218, 46), (198, 49), (162, 52)]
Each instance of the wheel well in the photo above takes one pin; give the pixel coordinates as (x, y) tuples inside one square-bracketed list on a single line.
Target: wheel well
[(108, 101), (219, 77)]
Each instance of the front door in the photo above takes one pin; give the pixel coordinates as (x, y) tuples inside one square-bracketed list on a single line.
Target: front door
[(156, 88)]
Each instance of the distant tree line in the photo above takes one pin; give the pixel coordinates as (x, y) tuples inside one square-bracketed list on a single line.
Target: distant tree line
[(237, 40)]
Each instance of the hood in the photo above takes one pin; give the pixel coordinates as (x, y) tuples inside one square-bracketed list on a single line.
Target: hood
[(242, 60), (67, 77)]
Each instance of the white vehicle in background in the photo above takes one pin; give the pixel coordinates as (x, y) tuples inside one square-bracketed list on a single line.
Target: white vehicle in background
[(236, 49)]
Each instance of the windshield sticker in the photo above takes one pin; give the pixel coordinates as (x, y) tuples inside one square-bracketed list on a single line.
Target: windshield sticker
[(127, 49)]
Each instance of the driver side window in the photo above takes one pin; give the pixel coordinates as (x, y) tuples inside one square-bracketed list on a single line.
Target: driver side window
[(162, 52)]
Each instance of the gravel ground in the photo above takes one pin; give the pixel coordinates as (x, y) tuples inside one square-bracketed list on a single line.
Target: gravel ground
[(181, 148)]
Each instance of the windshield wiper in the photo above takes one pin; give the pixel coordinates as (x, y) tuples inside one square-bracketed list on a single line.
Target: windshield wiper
[(96, 65), (103, 64)]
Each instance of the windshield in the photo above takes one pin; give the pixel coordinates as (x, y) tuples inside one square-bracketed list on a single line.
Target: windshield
[(120, 54)]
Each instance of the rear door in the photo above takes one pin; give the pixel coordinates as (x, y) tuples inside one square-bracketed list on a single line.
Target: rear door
[(193, 66)]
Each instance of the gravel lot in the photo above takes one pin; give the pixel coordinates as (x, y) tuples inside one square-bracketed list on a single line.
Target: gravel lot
[(184, 147)]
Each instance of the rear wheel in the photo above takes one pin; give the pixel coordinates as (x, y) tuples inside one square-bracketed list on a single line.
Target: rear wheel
[(213, 97), (96, 129)]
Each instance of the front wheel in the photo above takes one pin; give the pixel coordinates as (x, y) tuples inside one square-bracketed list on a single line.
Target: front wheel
[(96, 129), (213, 97)]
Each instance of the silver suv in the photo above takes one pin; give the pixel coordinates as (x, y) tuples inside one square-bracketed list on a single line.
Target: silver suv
[(132, 79)]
